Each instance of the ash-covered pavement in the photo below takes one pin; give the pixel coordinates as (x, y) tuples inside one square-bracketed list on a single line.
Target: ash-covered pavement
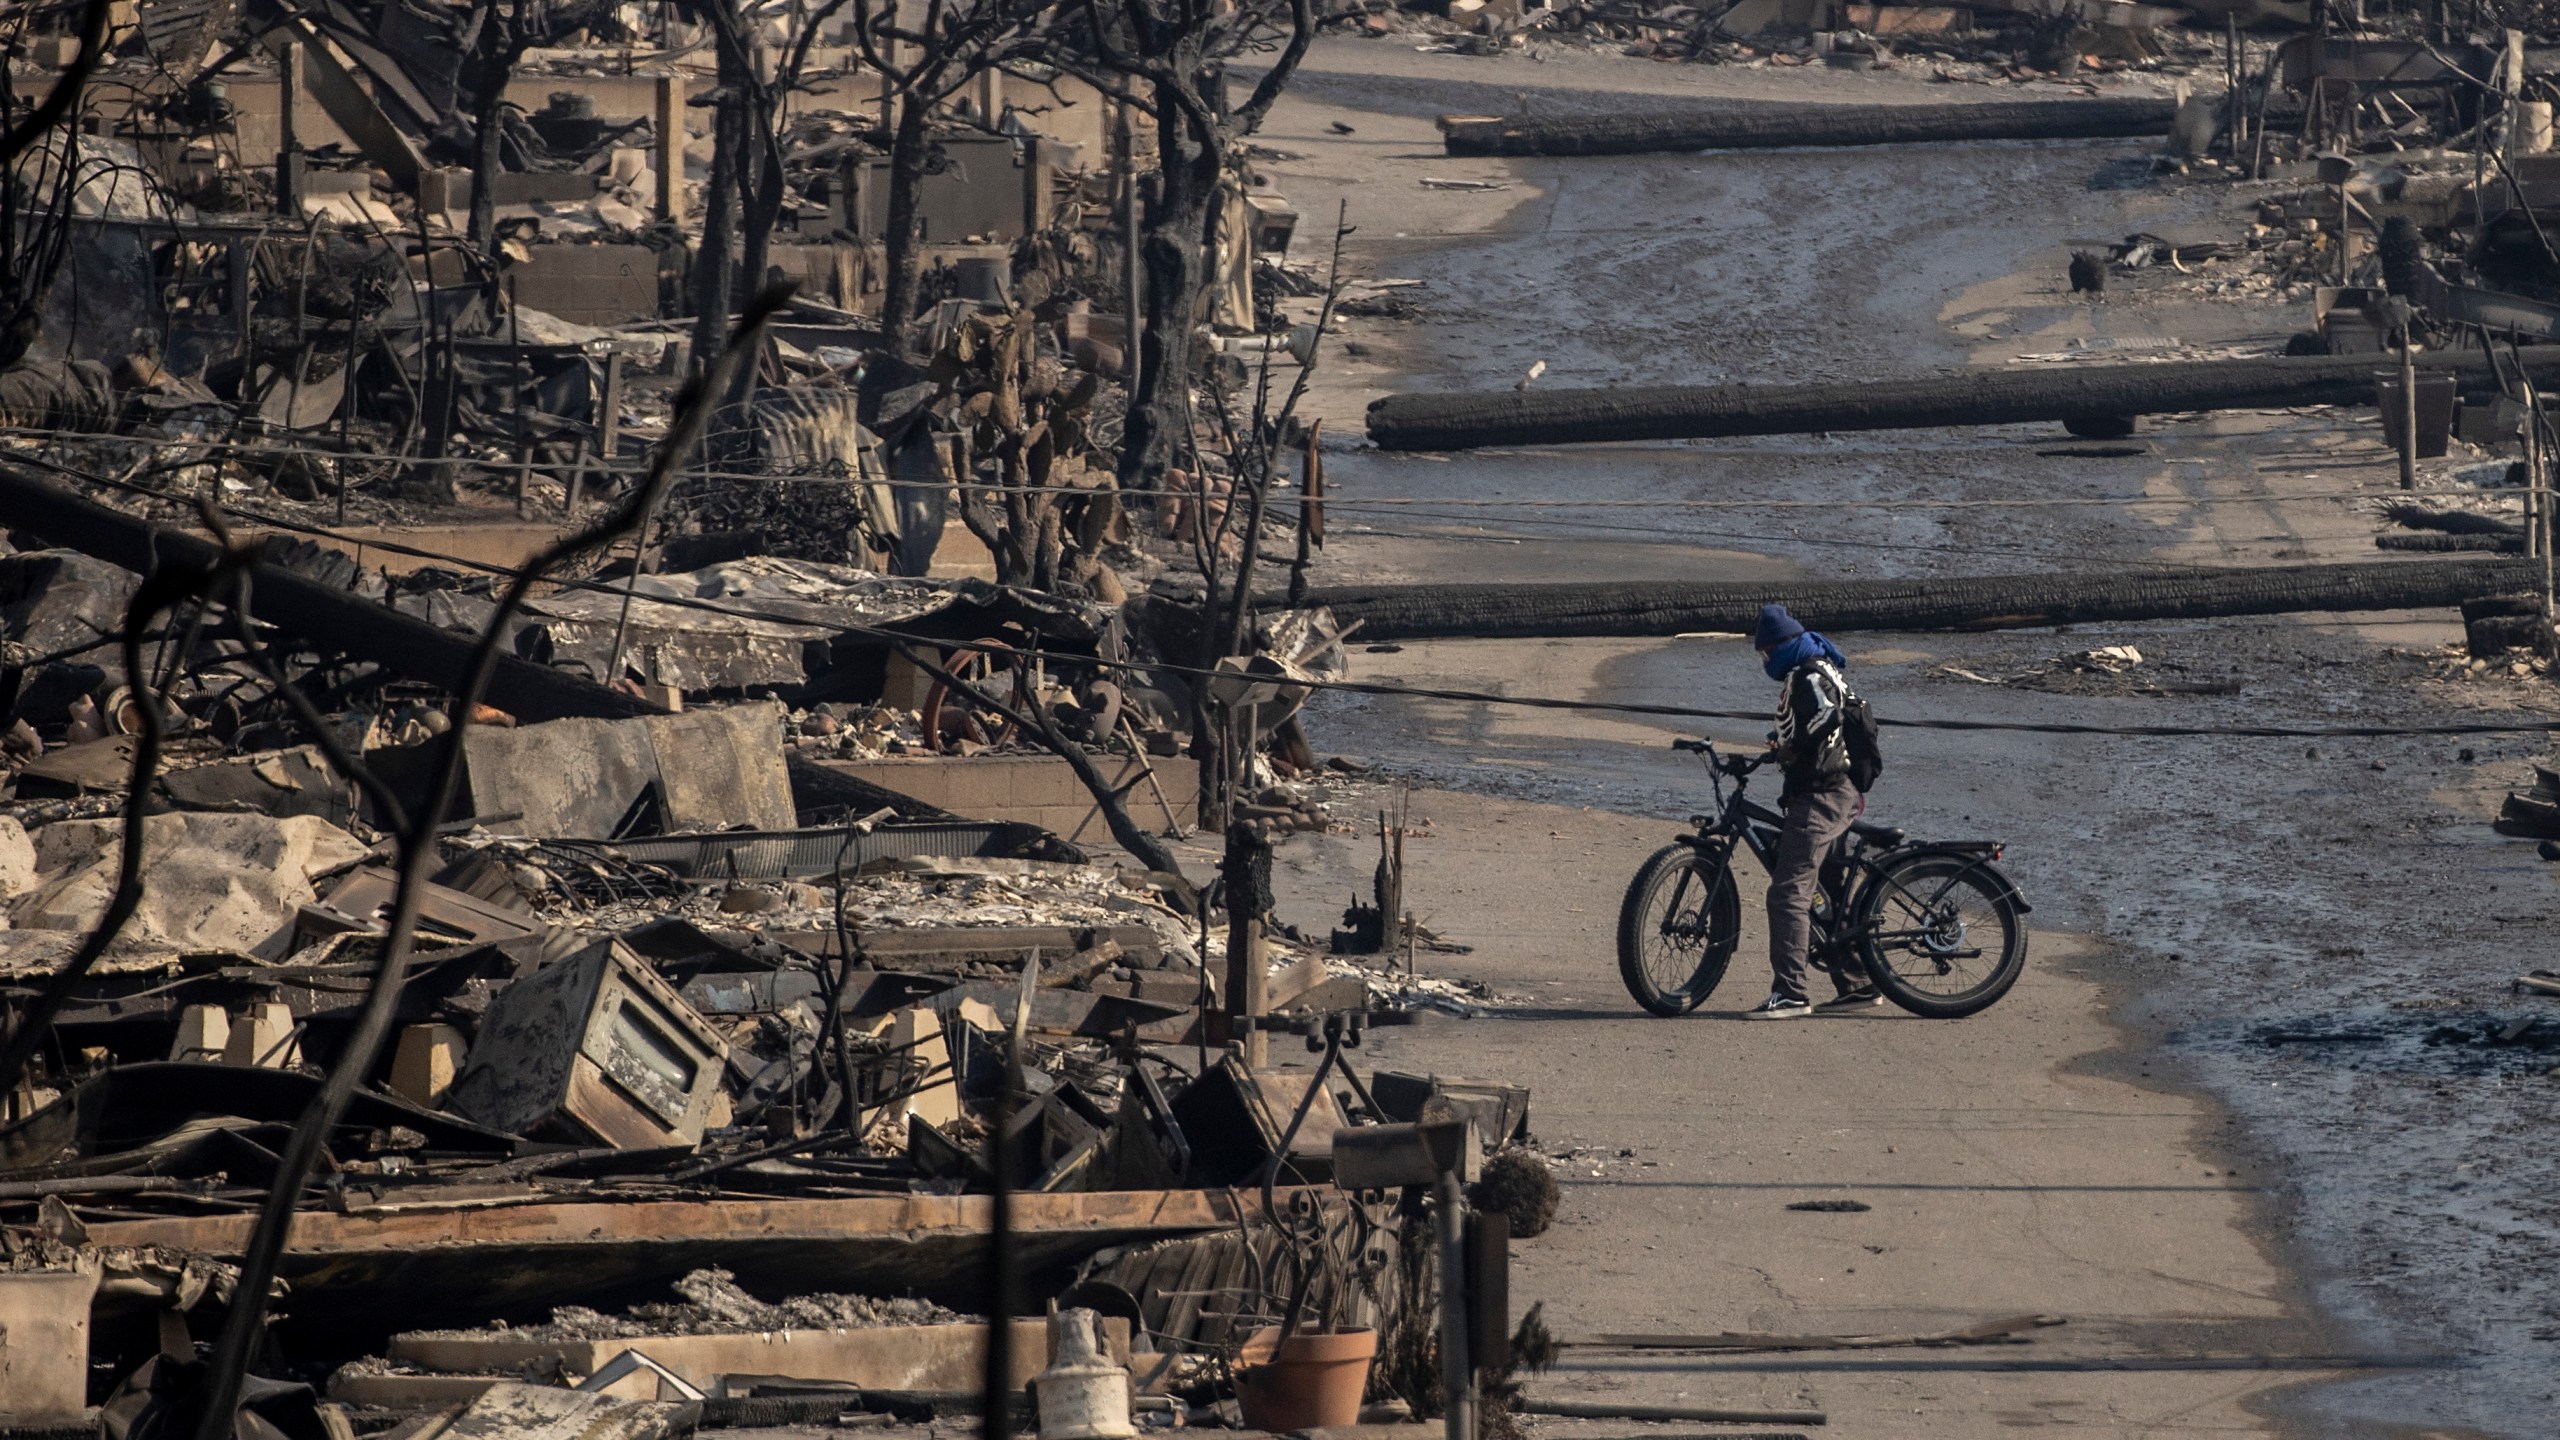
[(2261, 905)]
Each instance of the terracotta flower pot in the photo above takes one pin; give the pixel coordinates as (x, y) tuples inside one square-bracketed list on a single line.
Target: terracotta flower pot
[(1316, 1378)]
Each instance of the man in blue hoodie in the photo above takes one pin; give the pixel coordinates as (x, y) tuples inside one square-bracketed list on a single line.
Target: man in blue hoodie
[(1819, 800)]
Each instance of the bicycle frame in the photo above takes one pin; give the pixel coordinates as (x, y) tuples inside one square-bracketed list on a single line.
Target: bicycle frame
[(1911, 916), (1756, 826)]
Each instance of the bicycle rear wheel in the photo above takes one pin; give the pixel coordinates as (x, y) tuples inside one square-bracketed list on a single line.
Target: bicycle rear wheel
[(1941, 935), (1677, 928)]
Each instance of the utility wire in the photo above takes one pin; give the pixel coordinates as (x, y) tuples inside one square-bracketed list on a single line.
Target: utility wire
[(1409, 508), (600, 468)]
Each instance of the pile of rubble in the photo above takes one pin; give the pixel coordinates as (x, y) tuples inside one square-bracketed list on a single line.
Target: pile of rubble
[(670, 971)]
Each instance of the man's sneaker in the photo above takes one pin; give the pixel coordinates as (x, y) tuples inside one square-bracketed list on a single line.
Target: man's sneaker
[(1779, 1007), (1862, 998)]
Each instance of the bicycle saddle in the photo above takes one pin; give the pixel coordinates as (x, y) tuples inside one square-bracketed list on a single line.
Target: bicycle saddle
[(1884, 836)]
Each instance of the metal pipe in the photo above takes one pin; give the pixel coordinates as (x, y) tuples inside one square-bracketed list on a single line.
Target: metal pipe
[(2532, 499), (1457, 1368), (2408, 410)]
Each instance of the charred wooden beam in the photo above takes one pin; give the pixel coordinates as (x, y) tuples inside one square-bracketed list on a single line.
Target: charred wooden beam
[(405, 1264)]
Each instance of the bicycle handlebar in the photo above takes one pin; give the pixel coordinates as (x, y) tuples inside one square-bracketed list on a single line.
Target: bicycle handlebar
[(1734, 765)]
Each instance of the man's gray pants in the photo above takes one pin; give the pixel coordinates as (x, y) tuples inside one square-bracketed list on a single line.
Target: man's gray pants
[(1816, 821)]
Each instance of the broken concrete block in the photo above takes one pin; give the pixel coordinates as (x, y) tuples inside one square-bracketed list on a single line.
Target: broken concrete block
[(426, 1063), (579, 779), (596, 1047), (56, 600), (83, 767), (1907, 19), (211, 882), (544, 1412), (17, 859), (264, 1036), (204, 1032), (1291, 980), (948, 1357), (283, 782), (906, 684), (361, 1387), (919, 1033), (44, 1346)]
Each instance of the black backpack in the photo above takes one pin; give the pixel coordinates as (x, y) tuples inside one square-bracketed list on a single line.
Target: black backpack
[(1858, 731)]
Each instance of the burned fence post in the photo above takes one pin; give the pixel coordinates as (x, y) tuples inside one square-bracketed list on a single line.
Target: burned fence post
[(1457, 1368), (1442, 1156), (1247, 872), (2408, 403), (669, 118), (289, 96), (2338, 170)]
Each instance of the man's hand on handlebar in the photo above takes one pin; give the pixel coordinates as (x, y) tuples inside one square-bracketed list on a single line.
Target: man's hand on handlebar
[(1734, 765)]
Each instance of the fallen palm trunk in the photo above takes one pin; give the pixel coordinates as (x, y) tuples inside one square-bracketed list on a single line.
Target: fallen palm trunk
[(2023, 395), (1418, 612), (1769, 127), (323, 616)]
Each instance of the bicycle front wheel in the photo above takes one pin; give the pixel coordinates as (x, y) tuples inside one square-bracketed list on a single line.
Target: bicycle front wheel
[(1941, 934), (1678, 928)]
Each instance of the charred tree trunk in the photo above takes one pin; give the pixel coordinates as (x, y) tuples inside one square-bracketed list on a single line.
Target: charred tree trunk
[(909, 148), (496, 44), (485, 164), (745, 197), (761, 201), (1175, 254), (715, 267)]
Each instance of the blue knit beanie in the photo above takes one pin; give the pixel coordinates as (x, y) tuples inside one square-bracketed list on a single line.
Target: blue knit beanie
[(1777, 627)]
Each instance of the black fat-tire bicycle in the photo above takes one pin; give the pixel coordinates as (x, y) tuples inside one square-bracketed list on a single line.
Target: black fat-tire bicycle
[(1935, 924)]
